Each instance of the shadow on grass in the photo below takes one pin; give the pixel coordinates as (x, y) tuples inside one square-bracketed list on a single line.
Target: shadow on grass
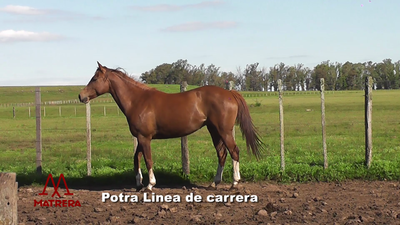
[(125, 180)]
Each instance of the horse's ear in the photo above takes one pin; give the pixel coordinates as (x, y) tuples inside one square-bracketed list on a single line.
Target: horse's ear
[(103, 70)]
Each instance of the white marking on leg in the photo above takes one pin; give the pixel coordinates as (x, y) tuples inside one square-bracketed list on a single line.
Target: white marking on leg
[(152, 179), (236, 172), (139, 178), (218, 176)]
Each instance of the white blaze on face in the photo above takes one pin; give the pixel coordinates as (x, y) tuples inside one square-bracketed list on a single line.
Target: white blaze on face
[(236, 173), (139, 177)]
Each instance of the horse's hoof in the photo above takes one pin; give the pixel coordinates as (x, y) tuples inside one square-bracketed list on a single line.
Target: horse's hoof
[(147, 190), (234, 188), (139, 188), (211, 188)]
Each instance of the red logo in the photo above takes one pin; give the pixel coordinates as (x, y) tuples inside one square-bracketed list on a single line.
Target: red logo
[(57, 202)]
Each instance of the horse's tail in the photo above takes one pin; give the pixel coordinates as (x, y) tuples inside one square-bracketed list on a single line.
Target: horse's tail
[(247, 127)]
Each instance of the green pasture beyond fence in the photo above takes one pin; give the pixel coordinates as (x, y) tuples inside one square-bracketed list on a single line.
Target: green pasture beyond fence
[(73, 108), (64, 135), (108, 98)]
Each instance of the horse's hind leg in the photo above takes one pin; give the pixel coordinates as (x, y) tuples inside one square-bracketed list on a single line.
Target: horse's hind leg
[(145, 145), (221, 153), (230, 143), (138, 171)]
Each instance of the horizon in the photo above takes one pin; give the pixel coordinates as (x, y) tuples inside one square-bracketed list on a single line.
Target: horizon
[(47, 43)]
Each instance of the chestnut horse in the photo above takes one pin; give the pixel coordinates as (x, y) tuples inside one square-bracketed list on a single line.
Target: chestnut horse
[(152, 114)]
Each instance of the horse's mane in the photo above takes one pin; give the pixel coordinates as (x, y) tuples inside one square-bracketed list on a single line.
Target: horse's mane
[(125, 77)]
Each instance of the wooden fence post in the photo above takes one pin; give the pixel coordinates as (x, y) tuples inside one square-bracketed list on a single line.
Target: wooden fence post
[(104, 111), (229, 86), (323, 122), (281, 125), (29, 111), (368, 121), (59, 110), (38, 131), (184, 143), (88, 141), (8, 198), (14, 112)]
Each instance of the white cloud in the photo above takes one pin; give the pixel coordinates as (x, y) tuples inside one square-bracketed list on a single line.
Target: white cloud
[(29, 14), (171, 8), (22, 35), (23, 10), (195, 26)]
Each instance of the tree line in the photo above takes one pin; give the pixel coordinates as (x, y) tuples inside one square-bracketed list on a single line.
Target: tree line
[(338, 76)]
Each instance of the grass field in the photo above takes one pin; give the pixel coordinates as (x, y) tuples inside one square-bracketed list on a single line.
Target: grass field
[(64, 140)]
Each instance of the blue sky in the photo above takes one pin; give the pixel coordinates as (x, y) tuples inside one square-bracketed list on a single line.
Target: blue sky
[(47, 42)]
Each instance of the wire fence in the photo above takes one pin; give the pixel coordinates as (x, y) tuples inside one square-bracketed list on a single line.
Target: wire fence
[(64, 121), (246, 94), (51, 111)]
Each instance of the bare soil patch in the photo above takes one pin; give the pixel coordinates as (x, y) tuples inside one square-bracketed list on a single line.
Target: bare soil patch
[(353, 202)]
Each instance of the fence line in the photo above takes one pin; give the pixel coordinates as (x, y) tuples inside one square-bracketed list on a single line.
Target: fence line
[(57, 102), (322, 84), (88, 141), (253, 94), (38, 132), (17, 113), (185, 166), (282, 133), (368, 121), (289, 126)]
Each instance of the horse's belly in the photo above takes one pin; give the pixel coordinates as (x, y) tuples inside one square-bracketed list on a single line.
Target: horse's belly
[(176, 129)]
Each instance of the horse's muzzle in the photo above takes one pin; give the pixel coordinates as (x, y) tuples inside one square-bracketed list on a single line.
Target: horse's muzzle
[(83, 100)]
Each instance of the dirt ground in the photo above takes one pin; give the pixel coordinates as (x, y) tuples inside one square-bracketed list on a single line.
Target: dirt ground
[(355, 202)]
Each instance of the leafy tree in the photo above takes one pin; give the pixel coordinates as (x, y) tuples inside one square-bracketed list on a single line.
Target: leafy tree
[(157, 75), (279, 71), (389, 74), (179, 72), (198, 75), (396, 67), (320, 71), (291, 79), (338, 76), (253, 77), (240, 79), (300, 77), (308, 76), (212, 76)]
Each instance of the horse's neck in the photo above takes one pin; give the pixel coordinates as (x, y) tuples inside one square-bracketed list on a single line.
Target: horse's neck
[(125, 93)]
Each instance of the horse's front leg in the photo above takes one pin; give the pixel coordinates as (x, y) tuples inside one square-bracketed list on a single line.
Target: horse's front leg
[(145, 144), (138, 171)]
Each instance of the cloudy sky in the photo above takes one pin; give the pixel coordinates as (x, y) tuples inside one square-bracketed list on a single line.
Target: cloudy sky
[(47, 42)]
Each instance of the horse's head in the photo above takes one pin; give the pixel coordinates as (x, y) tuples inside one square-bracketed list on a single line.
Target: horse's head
[(98, 85)]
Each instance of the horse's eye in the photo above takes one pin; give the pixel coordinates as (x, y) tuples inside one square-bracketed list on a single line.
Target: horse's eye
[(93, 79)]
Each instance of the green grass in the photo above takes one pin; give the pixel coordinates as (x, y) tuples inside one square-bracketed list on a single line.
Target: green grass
[(64, 140), (25, 94)]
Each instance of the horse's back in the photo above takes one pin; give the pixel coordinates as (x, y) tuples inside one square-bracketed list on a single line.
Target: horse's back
[(183, 113)]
